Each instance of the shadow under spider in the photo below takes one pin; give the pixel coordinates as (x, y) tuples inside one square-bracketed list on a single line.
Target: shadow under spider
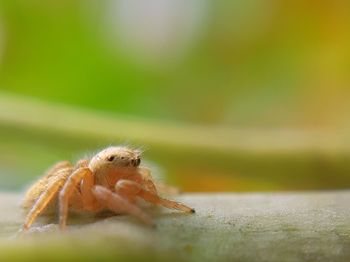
[(85, 219)]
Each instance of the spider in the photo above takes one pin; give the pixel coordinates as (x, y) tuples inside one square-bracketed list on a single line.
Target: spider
[(111, 180)]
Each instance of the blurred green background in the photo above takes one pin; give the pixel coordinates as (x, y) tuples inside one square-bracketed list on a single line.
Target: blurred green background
[(222, 95)]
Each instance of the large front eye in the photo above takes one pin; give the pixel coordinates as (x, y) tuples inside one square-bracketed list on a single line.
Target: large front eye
[(110, 158)]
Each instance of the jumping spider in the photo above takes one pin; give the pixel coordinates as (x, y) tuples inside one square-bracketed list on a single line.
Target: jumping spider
[(111, 180)]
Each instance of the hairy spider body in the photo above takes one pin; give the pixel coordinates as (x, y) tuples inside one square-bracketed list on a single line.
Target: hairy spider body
[(111, 180)]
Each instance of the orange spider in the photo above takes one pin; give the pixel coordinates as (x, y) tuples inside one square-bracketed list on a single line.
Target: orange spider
[(112, 179)]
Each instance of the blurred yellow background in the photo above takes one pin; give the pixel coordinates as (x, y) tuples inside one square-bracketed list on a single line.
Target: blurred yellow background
[(223, 95)]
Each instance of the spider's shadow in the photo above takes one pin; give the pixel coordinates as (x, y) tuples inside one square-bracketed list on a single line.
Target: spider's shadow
[(86, 219)]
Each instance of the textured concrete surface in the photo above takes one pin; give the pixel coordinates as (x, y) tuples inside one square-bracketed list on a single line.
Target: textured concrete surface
[(309, 226)]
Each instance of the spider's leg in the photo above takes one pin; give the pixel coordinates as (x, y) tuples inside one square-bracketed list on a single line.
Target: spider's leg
[(167, 189), (128, 187), (58, 166), (120, 204), (68, 189), (89, 201), (37, 188), (54, 185), (155, 187), (147, 179)]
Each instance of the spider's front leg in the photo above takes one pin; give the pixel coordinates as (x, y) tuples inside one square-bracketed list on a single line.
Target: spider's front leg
[(120, 204), (146, 179), (153, 186), (130, 188)]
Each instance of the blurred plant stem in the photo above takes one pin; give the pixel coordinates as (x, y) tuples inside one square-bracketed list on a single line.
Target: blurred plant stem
[(35, 134), (31, 113)]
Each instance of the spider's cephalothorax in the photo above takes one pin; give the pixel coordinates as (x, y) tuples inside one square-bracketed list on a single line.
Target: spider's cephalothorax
[(115, 158), (112, 179)]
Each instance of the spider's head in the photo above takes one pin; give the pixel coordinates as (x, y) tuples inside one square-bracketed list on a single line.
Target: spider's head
[(116, 157)]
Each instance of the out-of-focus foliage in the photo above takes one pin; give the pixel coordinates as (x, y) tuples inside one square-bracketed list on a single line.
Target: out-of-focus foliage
[(235, 64)]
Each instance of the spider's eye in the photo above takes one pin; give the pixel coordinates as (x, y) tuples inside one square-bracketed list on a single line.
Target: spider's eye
[(122, 158), (110, 158)]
